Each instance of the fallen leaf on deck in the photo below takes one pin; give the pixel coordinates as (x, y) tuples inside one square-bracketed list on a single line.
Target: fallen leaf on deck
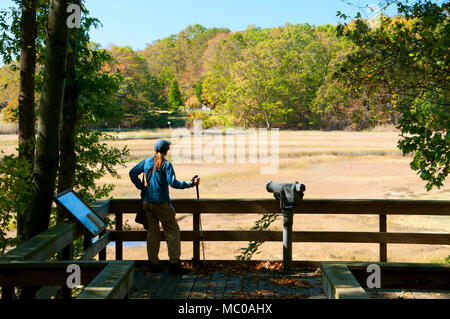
[(290, 282)]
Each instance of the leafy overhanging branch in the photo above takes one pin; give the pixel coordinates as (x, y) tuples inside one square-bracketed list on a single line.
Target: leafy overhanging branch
[(261, 224)]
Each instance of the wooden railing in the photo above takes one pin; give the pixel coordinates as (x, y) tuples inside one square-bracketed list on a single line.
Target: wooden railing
[(28, 266), (115, 279), (379, 207), (42, 247)]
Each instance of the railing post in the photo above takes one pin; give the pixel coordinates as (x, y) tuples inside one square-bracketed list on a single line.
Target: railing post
[(119, 243), (196, 243), (383, 246), (87, 242), (67, 252), (102, 253), (288, 220)]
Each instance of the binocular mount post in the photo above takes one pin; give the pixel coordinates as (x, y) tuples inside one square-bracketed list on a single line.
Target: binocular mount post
[(287, 193), (288, 220)]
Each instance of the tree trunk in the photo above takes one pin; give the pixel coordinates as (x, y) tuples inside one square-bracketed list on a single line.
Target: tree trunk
[(69, 122), (28, 34), (268, 120), (47, 146)]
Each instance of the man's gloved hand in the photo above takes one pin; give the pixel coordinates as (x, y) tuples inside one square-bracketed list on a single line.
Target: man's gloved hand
[(195, 181)]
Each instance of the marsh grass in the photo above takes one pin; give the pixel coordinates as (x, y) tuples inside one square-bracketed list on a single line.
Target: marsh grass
[(330, 164), (8, 128)]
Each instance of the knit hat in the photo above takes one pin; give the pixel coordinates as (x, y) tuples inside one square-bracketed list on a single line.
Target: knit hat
[(162, 146)]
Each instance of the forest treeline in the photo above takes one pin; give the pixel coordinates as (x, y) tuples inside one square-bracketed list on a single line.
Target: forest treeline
[(280, 77)]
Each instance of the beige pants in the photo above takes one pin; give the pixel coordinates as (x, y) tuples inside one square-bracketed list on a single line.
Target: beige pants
[(164, 213)]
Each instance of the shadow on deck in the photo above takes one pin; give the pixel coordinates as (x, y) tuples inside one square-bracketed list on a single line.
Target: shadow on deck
[(229, 280), (266, 280)]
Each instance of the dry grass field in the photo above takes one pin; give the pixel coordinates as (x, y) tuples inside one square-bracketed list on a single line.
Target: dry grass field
[(331, 165)]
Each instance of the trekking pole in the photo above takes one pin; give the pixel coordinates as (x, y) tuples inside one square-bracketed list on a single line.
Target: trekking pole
[(200, 223)]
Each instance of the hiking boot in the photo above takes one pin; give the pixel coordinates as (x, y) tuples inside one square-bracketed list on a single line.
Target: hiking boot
[(155, 268), (178, 269)]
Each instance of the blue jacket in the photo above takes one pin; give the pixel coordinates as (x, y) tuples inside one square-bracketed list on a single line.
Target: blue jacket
[(158, 191)]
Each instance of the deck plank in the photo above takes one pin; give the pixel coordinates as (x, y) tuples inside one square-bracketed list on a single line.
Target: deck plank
[(233, 287), (200, 287), (293, 290), (184, 287), (168, 287), (300, 293), (282, 291), (286, 290), (217, 285), (141, 281), (385, 293), (266, 288), (374, 293), (421, 294), (113, 282), (440, 294), (311, 279), (315, 291), (250, 285), (400, 293), (154, 283), (390, 293)]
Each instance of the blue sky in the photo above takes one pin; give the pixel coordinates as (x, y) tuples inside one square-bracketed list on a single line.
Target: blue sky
[(138, 22)]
